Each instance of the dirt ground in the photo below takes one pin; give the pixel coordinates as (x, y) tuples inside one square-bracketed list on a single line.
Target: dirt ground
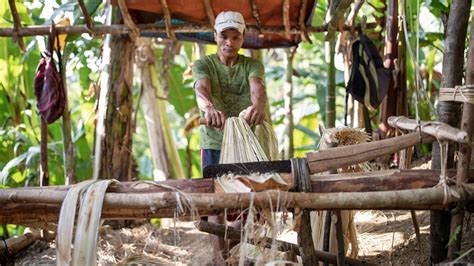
[(385, 237)]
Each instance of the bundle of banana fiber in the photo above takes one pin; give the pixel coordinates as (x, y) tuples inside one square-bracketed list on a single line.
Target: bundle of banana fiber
[(240, 144), (89, 197)]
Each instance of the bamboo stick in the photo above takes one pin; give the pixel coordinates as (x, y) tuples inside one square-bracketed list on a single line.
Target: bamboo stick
[(134, 32), (68, 151), (348, 155), (16, 25), (465, 150), (44, 172), (286, 18), (209, 12), (118, 29), (87, 18), (255, 14), (302, 22), (435, 129), (168, 25)]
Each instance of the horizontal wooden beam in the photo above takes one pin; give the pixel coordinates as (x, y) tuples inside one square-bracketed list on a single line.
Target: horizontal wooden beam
[(378, 180), (148, 28), (321, 183), (334, 158), (434, 128), (209, 202)]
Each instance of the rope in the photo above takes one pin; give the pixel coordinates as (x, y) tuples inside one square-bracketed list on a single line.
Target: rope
[(466, 92), (183, 200), (443, 180), (300, 171)]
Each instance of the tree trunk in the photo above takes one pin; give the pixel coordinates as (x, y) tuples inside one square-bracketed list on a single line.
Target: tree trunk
[(464, 160), (113, 146), (448, 112)]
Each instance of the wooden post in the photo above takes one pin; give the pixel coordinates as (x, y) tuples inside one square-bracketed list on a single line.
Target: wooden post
[(464, 161), (448, 112)]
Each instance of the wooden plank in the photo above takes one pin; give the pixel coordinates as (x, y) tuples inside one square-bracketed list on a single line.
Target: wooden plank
[(325, 160)]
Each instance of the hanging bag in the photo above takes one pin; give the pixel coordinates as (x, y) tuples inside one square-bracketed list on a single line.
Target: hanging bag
[(369, 79), (48, 85)]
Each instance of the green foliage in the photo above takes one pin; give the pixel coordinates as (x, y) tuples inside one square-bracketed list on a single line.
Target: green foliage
[(454, 236)]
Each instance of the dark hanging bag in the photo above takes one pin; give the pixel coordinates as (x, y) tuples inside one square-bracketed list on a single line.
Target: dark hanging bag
[(369, 79), (48, 85)]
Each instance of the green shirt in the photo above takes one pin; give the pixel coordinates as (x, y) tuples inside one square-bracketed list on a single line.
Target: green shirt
[(230, 90)]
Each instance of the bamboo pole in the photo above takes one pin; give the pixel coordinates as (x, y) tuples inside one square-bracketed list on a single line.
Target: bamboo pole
[(355, 182), (400, 199), (435, 129), (464, 160), (449, 113), (44, 206), (119, 29), (325, 160)]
